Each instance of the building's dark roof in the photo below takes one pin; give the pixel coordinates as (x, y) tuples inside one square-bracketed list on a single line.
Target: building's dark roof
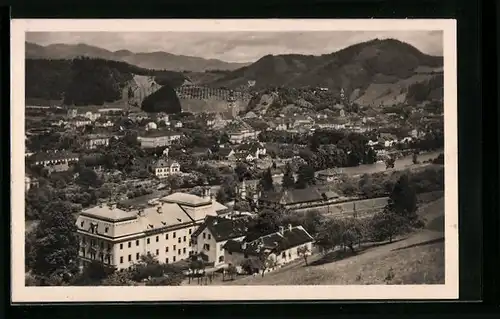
[(97, 136), (242, 155), (274, 242), (256, 123), (80, 118), (295, 196), (47, 156), (200, 151), (224, 151), (388, 137), (223, 228), (141, 201), (250, 147), (162, 163), (159, 133)]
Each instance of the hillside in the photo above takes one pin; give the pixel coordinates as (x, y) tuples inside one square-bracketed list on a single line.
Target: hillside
[(417, 258), (149, 60), (92, 81), (377, 71)]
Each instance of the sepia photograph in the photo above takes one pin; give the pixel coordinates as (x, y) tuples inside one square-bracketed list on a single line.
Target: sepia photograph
[(169, 160)]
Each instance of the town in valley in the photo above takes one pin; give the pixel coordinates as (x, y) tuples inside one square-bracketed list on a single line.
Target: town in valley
[(161, 169)]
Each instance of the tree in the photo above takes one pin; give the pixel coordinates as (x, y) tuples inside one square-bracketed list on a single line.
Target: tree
[(371, 156), (403, 199), (389, 162), (93, 274), (367, 187), (305, 176), (288, 180), (197, 190), (330, 234), (196, 266), (242, 206), (304, 252), (88, 178), (314, 143), (119, 278), (267, 261), (147, 267), (266, 181), (172, 276), (352, 233), (387, 224), (232, 271), (224, 138), (227, 190), (415, 158), (241, 171), (267, 222), (54, 249)]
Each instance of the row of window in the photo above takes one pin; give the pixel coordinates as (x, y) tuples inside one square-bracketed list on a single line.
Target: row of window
[(93, 243), (173, 169), (148, 240), (104, 258), (137, 255), (106, 229)]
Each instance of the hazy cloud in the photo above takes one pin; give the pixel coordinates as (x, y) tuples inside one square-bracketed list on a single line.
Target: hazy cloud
[(237, 46)]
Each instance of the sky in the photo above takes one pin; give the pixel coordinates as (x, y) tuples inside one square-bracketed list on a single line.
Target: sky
[(237, 46)]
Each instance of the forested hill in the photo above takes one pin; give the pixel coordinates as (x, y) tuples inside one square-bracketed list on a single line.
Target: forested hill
[(88, 81), (363, 70)]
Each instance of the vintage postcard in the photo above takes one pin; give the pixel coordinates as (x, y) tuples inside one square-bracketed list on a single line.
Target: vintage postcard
[(176, 160)]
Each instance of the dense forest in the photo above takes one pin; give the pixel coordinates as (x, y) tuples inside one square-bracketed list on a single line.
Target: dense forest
[(87, 81), (432, 89)]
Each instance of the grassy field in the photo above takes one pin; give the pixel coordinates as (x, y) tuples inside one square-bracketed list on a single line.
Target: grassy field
[(415, 259)]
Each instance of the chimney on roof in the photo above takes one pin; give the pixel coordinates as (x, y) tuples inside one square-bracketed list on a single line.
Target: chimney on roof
[(289, 227), (215, 221), (158, 210), (243, 245)]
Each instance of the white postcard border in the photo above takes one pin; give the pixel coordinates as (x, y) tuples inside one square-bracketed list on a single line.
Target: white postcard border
[(20, 293)]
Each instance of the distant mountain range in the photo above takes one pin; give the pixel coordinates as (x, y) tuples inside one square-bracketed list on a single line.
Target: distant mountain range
[(150, 60), (373, 73)]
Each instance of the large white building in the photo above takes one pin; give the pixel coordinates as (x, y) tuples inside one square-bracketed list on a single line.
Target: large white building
[(154, 139), (118, 237)]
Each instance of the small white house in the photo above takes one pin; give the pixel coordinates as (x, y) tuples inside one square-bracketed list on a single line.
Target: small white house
[(212, 235), (281, 247), (163, 168)]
